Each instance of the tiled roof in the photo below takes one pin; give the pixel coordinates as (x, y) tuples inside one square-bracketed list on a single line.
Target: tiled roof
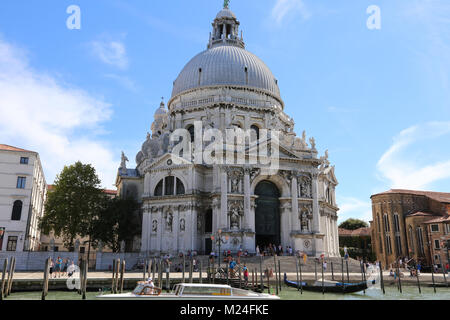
[(11, 148), (422, 214), (357, 232), (438, 196), (439, 220)]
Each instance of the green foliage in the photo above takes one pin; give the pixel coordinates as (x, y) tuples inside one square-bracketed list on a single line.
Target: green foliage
[(353, 224), (73, 203), (117, 222)]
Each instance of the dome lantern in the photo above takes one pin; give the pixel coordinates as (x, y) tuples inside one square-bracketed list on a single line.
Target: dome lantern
[(226, 29)]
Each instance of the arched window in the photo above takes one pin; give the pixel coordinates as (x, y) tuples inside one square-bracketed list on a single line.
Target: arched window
[(159, 189), (191, 130), (254, 132), (180, 187), (169, 186), (17, 211), (170, 181)]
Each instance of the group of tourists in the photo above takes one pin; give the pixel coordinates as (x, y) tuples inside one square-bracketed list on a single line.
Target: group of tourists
[(272, 250), (61, 267)]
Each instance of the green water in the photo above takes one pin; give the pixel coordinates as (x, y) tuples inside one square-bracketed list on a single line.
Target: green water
[(392, 293)]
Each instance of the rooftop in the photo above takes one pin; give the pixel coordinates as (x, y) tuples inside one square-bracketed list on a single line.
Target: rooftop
[(6, 147), (438, 196), (354, 233)]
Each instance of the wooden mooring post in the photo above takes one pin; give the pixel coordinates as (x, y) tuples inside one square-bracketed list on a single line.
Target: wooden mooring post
[(432, 278), (200, 275), (113, 282), (362, 273), (323, 279), (342, 272), (301, 277), (276, 273), (399, 278), (332, 271), (184, 268), (279, 274), (348, 273), (191, 270), (315, 269), (144, 271), (418, 281), (443, 270), (116, 289), (122, 275), (154, 269), (167, 277), (261, 273), (5, 268), (45, 281), (381, 277)]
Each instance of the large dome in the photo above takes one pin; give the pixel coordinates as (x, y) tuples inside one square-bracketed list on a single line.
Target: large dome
[(226, 65)]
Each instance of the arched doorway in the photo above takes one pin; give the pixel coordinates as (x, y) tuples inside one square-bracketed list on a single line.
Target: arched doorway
[(267, 215)]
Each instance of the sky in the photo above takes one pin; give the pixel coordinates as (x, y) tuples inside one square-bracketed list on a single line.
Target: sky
[(377, 99)]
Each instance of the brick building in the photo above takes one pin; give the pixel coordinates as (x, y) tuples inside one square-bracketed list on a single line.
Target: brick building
[(407, 223)]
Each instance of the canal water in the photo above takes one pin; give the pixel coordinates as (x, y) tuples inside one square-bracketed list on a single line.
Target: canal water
[(287, 293)]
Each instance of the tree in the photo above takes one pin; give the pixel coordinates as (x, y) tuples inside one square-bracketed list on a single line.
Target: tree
[(117, 222), (73, 203), (353, 224)]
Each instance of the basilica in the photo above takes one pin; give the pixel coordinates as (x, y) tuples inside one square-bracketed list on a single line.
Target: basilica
[(274, 188)]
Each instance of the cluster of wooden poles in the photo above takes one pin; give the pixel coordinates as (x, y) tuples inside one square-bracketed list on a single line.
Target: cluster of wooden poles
[(7, 277), (80, 284)]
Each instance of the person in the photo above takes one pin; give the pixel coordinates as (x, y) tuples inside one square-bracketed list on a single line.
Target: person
[(52, 265), (66, 264), (345, 253), (391, 273), (419, 267), (324, 266), (245, 275), (58, 266), (257, 251), (232, 265), (447, 268)]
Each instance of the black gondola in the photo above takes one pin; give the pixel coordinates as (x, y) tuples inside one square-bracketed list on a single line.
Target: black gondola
[(334, 287)]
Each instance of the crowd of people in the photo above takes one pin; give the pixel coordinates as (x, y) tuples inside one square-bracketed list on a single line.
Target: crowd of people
[(272, 249), (61, 268)]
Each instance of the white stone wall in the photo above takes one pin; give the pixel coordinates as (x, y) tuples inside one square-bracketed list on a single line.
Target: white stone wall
[(32, 197), (35, 261)]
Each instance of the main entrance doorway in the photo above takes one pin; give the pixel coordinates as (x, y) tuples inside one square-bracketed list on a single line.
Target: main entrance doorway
[(267, 215)]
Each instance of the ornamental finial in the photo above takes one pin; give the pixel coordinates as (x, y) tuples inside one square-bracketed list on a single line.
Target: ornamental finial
[(225, 3)]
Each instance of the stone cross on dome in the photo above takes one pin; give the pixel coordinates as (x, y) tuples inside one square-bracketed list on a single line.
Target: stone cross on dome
[(226, 3)]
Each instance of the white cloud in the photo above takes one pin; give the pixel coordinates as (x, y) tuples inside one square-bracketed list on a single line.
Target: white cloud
[(111, 52), (350, 207), (40, 113), (409, 164), (124, 81), (288, 9)]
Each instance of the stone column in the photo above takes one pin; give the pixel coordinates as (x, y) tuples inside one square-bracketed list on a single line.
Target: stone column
[(247, 224), (160, 229), (316, 213), (193, 212), (145, 231), (147, 190), (176, 226), (294, 194), (223, 199)]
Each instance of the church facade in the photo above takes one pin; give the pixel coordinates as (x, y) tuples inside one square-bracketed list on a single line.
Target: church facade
[(270, 186)]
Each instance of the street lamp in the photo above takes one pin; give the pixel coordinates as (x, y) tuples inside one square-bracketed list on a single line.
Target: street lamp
[(219, 240)]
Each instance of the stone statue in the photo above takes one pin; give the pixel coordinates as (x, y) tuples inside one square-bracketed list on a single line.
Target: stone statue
[(155, 226), (169, 221), (226, 3), (182, 225), (312, 141), (234, 218), (123, 163)]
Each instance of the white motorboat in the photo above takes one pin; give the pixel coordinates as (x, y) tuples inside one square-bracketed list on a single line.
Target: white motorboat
[(189, 291)]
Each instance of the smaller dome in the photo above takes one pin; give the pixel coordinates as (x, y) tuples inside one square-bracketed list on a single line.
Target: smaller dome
[(226, 13), (161, 110)]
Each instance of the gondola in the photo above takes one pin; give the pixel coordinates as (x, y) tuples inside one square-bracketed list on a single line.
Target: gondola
[(328, 286)]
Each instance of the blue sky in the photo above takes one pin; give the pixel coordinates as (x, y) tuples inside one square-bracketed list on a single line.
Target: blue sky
[(378, 100)]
